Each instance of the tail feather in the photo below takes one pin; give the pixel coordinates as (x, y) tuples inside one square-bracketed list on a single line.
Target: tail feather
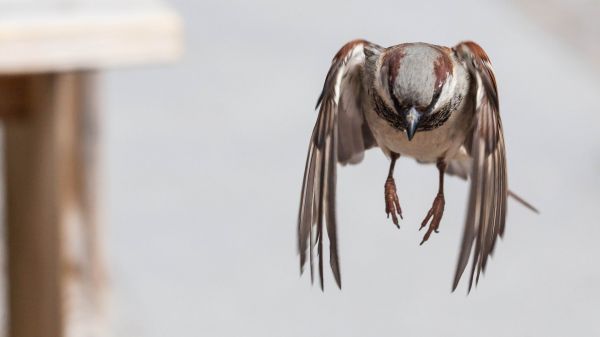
[(523, 201)]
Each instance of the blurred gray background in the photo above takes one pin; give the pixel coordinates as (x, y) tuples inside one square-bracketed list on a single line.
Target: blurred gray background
[(203, 164)]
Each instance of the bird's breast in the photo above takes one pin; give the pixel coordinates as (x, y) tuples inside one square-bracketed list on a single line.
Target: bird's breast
[(441, 141)]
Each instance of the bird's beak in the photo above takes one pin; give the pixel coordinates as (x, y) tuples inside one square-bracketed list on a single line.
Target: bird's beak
[(412, 122)]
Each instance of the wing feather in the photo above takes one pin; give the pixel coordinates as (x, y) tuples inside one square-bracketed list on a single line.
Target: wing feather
[(341, 134), (486, 212)]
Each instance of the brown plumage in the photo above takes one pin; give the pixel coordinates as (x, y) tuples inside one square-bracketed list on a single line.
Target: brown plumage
[(433, 103)]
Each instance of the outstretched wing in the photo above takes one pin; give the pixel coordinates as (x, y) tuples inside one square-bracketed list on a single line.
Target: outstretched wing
[(341, 134), (486, 213)]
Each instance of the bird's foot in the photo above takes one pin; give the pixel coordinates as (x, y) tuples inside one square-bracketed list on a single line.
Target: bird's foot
[(435, 215), (392, 203)]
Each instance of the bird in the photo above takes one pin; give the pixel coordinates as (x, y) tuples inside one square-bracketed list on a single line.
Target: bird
[(435, 104)]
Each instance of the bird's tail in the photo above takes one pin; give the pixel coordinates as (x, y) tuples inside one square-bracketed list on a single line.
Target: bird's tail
[(522, 201)]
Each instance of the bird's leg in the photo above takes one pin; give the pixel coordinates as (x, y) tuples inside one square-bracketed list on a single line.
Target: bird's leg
[(437, 209), (392, 204)]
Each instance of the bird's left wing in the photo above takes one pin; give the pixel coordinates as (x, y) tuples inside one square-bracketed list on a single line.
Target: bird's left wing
[(341, 134), (486, 212)]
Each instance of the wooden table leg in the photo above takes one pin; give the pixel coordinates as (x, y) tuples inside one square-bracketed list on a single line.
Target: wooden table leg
[(55, 272)]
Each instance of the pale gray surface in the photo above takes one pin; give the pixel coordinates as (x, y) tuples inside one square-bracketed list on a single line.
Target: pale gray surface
[(204, 164)]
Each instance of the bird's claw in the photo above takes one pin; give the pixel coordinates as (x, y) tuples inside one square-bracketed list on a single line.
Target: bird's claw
[(392, 203), (435, 215)]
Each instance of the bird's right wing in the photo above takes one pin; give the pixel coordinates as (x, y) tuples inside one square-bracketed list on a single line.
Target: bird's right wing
[(342, 135)]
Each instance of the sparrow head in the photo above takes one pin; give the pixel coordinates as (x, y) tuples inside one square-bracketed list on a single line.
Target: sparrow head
[(415, 75)]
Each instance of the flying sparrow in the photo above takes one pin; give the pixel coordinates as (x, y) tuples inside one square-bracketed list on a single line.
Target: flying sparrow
[(436, 104)]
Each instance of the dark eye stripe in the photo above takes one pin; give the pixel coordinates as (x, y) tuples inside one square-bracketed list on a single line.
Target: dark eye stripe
[(428, 122), (397, 121), (432, 121), (434, 100)]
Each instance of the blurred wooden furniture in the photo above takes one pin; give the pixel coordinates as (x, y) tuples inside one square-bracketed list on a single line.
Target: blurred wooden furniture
[(50, 53)]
